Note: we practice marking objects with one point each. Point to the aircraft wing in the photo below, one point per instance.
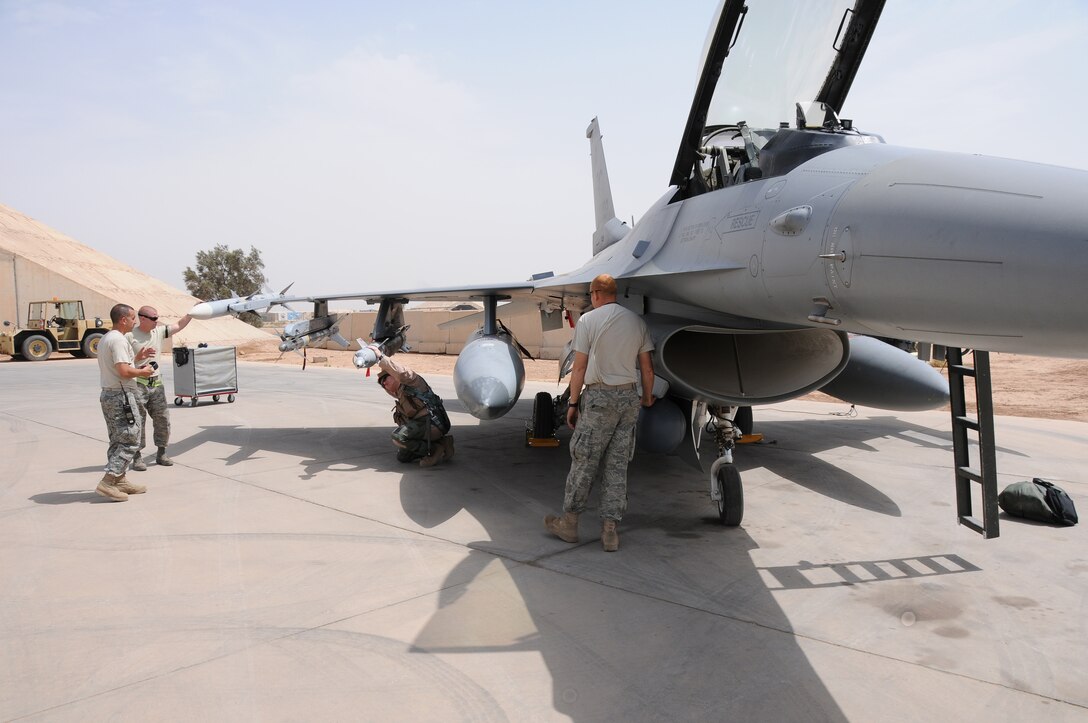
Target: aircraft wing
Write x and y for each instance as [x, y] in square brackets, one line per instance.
[236, 305]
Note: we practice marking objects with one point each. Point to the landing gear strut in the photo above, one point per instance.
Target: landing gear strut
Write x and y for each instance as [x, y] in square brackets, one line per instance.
[725, 486]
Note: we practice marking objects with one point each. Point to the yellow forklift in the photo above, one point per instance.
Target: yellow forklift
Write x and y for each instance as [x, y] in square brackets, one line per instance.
[56, 325]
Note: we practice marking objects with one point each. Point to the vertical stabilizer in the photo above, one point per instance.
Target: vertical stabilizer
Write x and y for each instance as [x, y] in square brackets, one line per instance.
[609, 228]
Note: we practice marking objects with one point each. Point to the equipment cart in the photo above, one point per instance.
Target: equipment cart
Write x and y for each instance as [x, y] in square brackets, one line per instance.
[204, 371]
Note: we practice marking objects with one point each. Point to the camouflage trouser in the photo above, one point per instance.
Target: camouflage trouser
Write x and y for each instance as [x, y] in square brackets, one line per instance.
[124, 437]
[152, 401]
[416, 436]
[602, 445]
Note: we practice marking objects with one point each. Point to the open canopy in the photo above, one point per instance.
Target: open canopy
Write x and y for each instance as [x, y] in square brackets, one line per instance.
[764, 58]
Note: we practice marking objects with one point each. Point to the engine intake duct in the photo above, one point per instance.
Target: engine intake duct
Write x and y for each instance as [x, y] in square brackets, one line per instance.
[741, 367]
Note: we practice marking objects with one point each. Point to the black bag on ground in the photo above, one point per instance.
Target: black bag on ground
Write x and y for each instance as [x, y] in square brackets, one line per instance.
[1059, 502]
[1038, 500]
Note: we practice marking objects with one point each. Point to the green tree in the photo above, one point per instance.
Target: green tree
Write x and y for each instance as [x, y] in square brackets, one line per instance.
[222, 273]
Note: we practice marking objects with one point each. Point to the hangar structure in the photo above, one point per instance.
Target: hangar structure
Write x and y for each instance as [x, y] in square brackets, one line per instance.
[38, 263]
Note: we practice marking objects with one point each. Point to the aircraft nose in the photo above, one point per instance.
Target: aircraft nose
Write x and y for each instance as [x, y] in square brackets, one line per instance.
[943, 246]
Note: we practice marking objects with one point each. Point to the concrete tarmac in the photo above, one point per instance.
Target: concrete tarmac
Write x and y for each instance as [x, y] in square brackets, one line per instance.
[288, 568]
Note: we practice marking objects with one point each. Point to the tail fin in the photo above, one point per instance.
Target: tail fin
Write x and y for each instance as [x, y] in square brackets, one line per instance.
[609, 228]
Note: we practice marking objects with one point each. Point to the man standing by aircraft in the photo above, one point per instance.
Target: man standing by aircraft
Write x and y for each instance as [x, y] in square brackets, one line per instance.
[420, 416]
[611, 352]
[150, 392]
[118, 375]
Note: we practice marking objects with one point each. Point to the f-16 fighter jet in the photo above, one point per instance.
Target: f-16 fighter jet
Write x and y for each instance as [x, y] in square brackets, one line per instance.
[786, 241]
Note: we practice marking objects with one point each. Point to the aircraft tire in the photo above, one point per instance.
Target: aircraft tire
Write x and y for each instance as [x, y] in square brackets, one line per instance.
[744, 420]
[731, 504]
[543, 416]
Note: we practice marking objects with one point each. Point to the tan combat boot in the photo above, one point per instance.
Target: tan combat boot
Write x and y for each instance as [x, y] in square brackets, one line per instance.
[610, 539]
[108, 488]
[565, 527]
[138, 464]
[129, 488]
[447, 441]
[162, 460]
[438, 453]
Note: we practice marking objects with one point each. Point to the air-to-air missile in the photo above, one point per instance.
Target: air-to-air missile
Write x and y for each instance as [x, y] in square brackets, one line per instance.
[238, 304]
[310, 331]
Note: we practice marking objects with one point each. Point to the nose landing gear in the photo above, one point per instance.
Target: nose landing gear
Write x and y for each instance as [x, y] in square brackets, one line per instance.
[729, 425]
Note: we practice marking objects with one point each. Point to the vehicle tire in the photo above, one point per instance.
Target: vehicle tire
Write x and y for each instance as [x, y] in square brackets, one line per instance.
[731, 504]
[89, 347]
[230, 399]
[36, 348]
[177, 401]
[744, 420]
[543, 416]
[215, 398]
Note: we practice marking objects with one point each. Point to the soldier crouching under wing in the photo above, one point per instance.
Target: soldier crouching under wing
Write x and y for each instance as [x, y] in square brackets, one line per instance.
[422, 423]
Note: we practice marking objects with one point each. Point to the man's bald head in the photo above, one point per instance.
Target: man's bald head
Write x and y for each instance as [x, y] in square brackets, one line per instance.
[602, 290]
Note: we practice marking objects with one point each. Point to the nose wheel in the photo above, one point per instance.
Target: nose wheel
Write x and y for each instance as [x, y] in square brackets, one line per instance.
[730, 495]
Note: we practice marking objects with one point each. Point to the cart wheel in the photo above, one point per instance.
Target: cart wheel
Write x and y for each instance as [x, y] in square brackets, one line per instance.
[215, 398]
[193, 402]
[177, 401]
[230, 398]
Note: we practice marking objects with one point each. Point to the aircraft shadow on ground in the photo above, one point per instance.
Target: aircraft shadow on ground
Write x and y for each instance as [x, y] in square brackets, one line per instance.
[607, 659]
[790, 450]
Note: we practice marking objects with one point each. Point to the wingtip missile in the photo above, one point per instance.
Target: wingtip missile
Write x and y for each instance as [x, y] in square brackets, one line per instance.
[237, 304]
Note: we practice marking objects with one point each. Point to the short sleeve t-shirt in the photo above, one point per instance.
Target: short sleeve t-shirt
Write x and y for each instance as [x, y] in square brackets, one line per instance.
[114, 348]
[613, 337]
[140, 340]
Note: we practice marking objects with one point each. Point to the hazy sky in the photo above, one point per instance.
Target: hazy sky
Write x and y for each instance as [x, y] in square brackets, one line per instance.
[378, 145]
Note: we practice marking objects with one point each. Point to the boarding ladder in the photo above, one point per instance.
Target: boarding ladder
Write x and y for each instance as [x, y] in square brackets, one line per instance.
[983, 426]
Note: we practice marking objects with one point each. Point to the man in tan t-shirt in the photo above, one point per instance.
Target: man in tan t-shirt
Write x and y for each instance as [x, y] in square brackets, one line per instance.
[611, 353]
[118, 374]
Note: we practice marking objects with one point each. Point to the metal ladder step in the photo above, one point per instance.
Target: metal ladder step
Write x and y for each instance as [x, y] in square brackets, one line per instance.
[985, 474]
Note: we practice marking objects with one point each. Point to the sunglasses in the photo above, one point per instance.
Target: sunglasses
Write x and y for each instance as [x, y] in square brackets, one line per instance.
[149, 318]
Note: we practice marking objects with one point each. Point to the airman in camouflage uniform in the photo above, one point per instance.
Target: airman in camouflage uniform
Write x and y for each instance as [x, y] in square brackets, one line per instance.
[150, 392]
[611, 351]
[420, 416]
[118, 375]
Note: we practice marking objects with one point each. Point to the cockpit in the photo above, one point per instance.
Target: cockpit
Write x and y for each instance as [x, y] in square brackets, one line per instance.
[753, 115]
[736, 154]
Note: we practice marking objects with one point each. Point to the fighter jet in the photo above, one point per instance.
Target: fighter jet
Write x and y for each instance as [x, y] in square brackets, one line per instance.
[786, 242]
